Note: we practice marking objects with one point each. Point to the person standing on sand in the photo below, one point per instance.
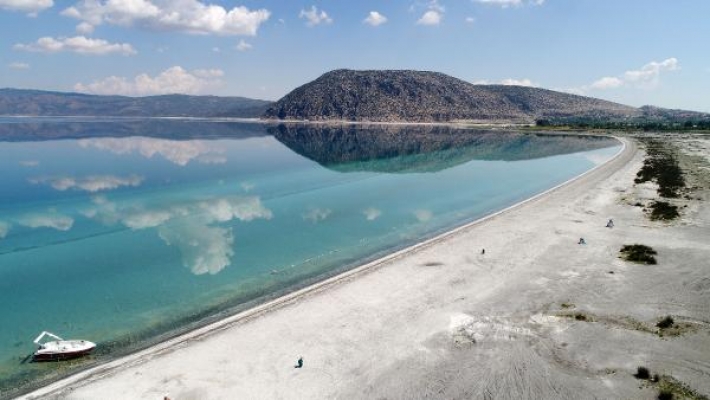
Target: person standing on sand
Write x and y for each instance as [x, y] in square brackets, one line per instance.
[610, 224]
[299, 363]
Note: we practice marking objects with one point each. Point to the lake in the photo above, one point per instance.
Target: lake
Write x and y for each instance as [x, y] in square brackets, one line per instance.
[127, 231]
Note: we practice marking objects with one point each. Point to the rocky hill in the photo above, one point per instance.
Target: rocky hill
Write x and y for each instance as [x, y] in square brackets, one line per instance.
[43, 103]
[419, 96]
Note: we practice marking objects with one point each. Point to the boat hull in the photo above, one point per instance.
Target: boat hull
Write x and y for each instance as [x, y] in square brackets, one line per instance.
[61, 355]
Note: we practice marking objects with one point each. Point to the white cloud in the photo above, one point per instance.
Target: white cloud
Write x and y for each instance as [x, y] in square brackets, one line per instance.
[32, 7]
[511, 3]
[314, 17]
[243, 46]
[649, 73]
[173, 80]
[431, 18]
[18, 65]
[423, 215]
[4, 229]
[501, 3]
[93, 183]
[77, 44]
[470, 20]
[180, 152]
[375, 19]
[316, 215]
[85, 28]
[508, 82]
[646, 77]
[372, 213]
[518, 82]
[47, 220]
[607, 82]
[189, 16]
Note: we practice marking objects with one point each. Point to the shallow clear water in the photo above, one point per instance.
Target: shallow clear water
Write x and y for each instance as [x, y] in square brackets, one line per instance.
[123, 239]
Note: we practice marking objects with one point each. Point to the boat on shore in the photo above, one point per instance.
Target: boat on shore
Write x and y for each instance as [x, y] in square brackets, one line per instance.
[60, 349]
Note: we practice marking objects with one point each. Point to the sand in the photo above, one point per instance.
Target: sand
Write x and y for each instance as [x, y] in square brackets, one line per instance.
[445, 321]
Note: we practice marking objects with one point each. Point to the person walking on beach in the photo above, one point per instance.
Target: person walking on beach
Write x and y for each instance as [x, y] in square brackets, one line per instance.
[581, 241]
[299, 363]
[483, 251]
[610, 224]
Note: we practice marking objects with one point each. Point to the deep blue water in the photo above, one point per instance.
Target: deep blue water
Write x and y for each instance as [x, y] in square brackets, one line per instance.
[123, 239]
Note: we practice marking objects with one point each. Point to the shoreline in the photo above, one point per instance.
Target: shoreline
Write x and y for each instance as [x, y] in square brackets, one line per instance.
[267, 121]
[621, 158]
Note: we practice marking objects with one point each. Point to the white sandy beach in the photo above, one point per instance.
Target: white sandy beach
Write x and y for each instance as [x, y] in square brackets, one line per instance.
[445, 321]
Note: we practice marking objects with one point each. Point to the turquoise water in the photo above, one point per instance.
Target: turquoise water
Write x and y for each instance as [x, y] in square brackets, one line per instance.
[123, 240]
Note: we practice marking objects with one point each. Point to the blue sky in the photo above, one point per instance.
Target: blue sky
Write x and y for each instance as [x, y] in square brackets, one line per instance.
[631, 51]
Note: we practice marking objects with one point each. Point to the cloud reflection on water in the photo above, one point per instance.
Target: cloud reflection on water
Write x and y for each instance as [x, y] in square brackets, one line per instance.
[92, 183]
[52, 220]
[29, 163]
[177, 152]
[423, 215]
[372, 213]
[189, 226]
[4, 229]
[316, 215]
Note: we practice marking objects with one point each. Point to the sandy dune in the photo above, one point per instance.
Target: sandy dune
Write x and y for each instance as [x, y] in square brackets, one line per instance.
[445, 321]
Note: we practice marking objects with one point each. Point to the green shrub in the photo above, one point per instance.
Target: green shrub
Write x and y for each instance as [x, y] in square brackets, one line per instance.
[665, 394]
[661, 210]
[642, 373]
[662, 167]
[638, 253]
[666, 322]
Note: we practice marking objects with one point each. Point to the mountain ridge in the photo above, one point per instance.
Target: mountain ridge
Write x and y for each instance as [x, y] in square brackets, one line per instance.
[32, 102]
[425, 96]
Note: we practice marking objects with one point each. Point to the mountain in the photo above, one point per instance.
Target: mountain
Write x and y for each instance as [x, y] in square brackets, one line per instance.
[422, 148]
[421, 96]
[43, 103]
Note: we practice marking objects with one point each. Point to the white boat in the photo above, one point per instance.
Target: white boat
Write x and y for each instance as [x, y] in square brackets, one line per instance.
[60, 349]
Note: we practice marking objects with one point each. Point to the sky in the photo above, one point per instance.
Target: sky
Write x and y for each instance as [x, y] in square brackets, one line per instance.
[634, 52]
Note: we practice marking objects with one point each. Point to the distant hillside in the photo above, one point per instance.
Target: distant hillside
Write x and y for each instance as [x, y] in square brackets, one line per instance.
[418, 96]
[42, 103]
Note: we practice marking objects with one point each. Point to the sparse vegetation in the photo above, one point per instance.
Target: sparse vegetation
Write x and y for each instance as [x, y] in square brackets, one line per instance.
[672, 388]
[668, 386]
[664, 211]
[642, 373]
[665, 323]
[649, 119]
[567, 305]
[662, 167]
[667, 326]
[578, 316]
[639, 253]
